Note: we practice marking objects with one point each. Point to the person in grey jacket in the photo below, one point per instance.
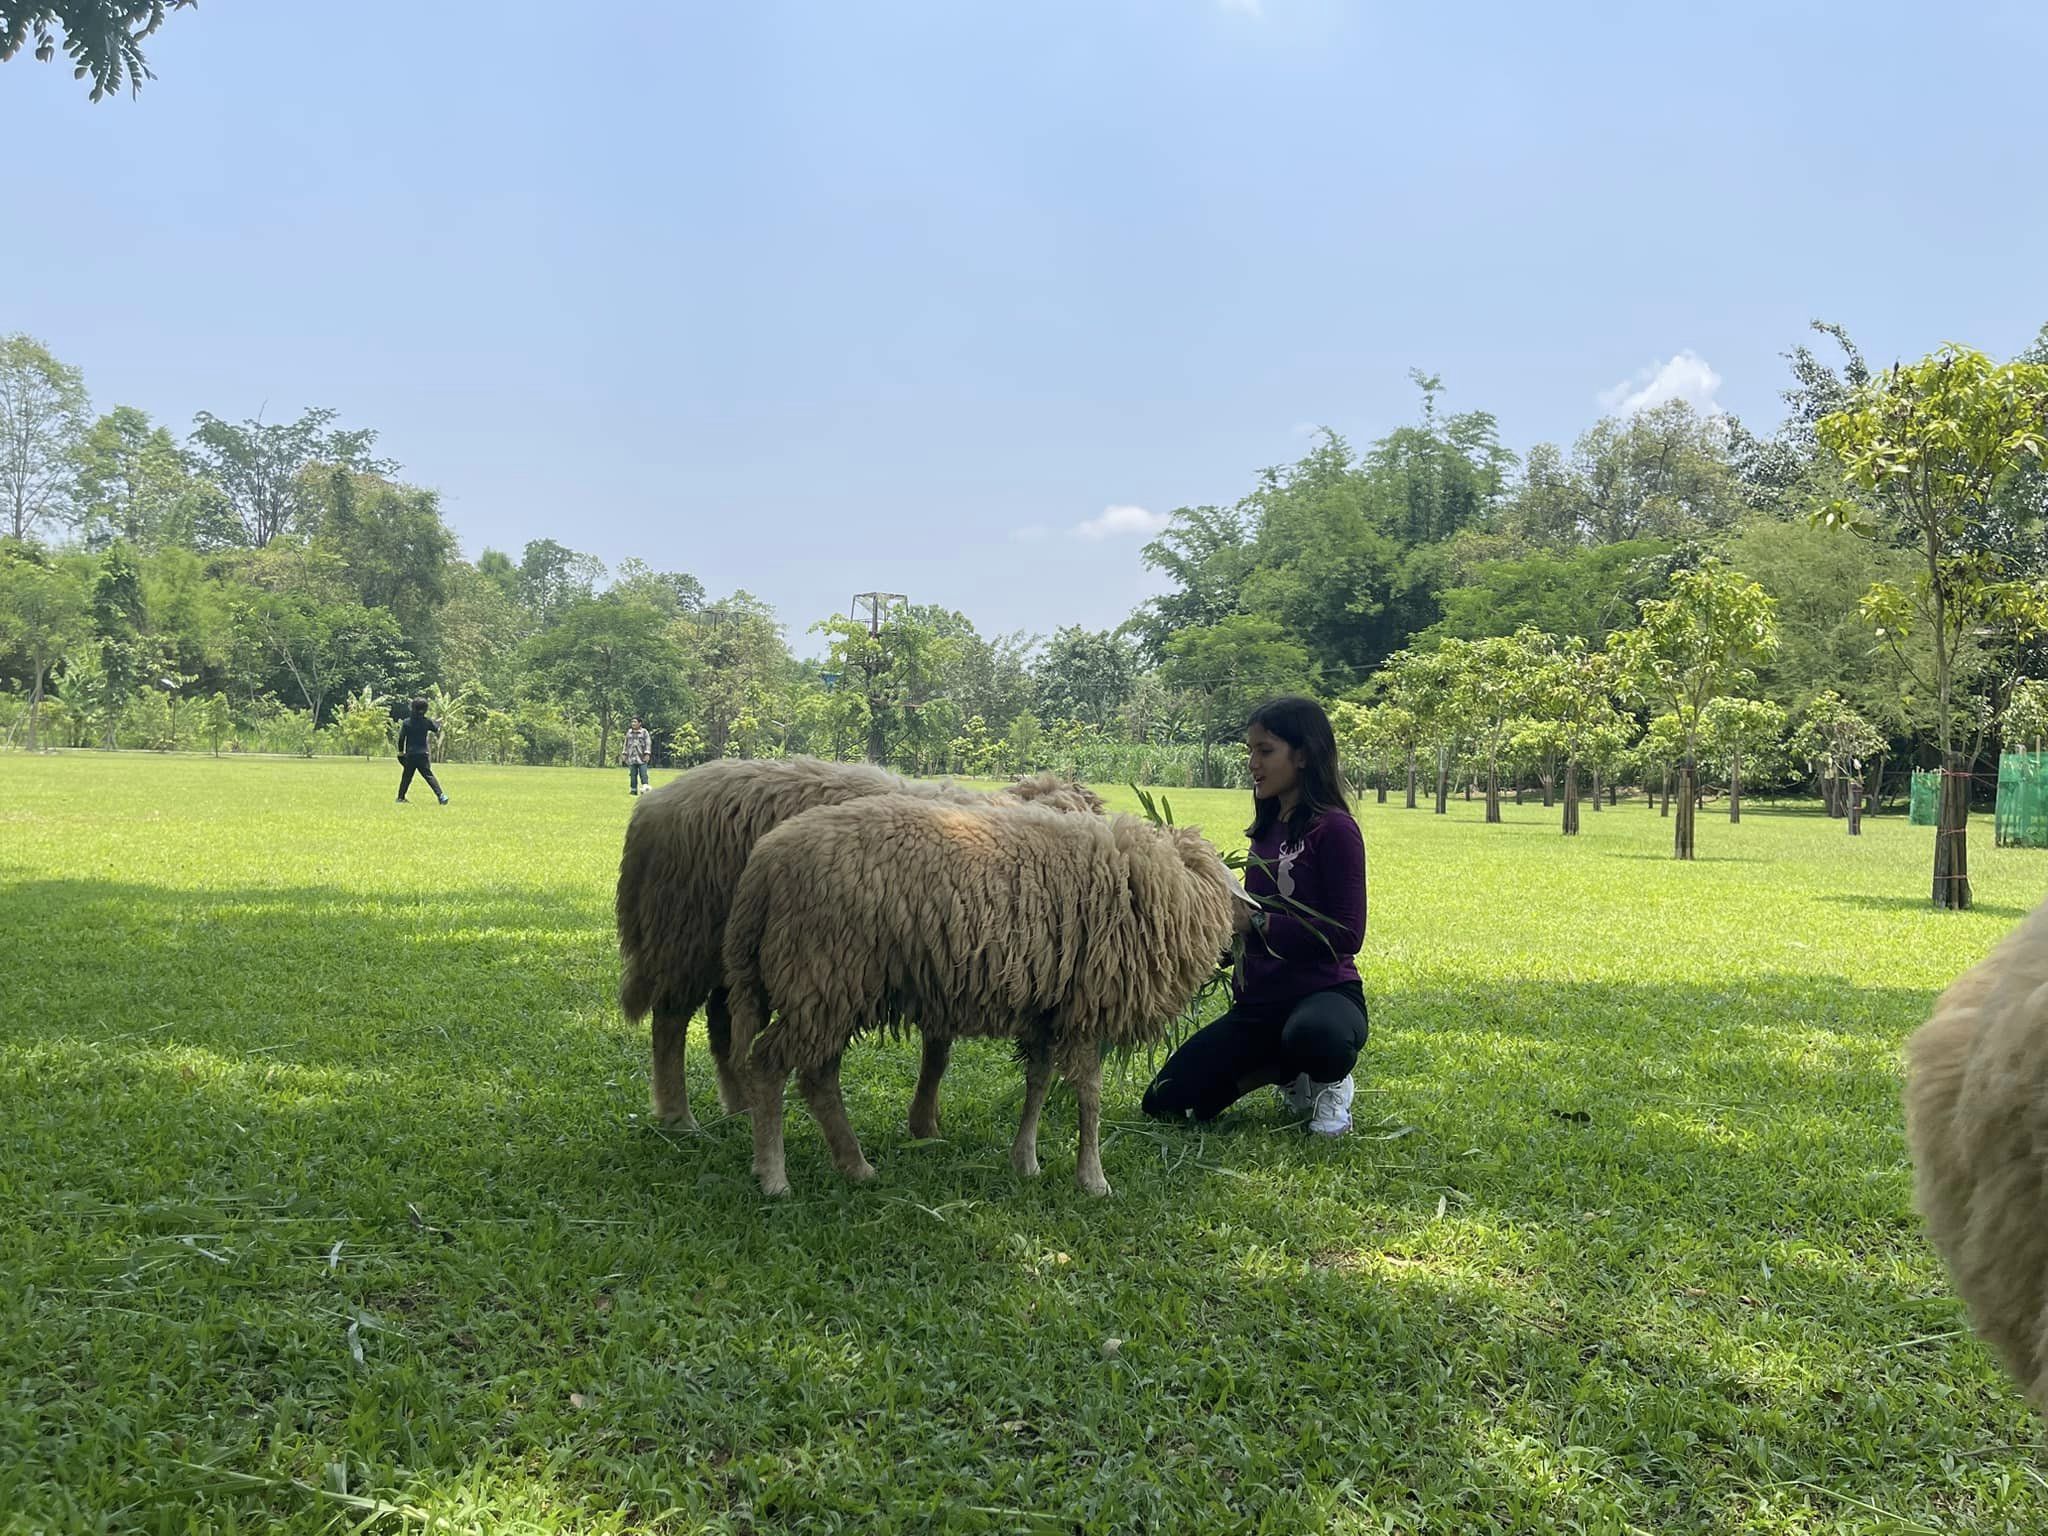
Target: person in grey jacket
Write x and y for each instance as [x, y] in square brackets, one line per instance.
[638, 753]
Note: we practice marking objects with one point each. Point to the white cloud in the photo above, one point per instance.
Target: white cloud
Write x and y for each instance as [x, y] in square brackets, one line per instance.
[1688, 377]
[1116, 522]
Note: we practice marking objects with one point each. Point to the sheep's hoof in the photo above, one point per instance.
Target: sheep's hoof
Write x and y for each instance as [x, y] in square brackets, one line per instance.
[684, 1122]
[924, 1130]
[861, 1172]
[775, 1189]
[1024, 1164]
[1097, 1186]
[731, 1100]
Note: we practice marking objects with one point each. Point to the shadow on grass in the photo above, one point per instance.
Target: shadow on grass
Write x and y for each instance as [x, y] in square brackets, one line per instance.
[1914, 904]
[265, 1131]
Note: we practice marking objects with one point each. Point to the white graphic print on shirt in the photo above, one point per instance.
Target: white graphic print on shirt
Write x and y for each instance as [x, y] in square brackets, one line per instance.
[1283, 877]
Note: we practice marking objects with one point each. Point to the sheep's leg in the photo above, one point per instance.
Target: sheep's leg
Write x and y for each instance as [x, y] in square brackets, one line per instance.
[1084, 1072]
[765, 1093]
[820, 1087]
[732, 1093]
[924, 1104]
[671, 1029]
[1037, 1078]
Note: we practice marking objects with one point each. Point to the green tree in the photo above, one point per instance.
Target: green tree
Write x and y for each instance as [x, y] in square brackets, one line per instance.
[739, 672]
[613, 658]
[1206, 553]
[482, 630]
[1234, 667]
[364, 723]
[1926, 449]
[1664, 473]
[552, 576]
[129, 658]
[393, 545]
[1374, 741]
[260, 467]
[1570, 706]
[1834, 741]
[1818, 580]
[133, 486]
[217, 719]
[890, 678]
[1691, 647]
[1084, 675]
[1564, 592]
[42, 424]
[1740, 732]
[43, 613]
[1427, 684]
[298, 629]
[673, 592]
[103, 38]
[1496, 686]
[1441, 476]
[2024, 724]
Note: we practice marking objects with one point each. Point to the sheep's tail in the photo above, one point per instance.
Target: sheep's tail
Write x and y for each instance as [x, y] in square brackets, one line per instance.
[746, 998]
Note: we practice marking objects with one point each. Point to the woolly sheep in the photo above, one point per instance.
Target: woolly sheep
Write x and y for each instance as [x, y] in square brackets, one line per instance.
[1976, 1101]
[1066, 933]
[685, 847]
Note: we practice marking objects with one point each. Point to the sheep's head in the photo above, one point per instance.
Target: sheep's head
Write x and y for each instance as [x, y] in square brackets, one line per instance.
[1056, 794]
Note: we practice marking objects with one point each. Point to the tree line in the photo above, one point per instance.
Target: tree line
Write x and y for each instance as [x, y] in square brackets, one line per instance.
[278, 585]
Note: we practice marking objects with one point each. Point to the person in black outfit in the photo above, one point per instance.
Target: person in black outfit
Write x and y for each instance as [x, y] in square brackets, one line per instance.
[412, 750]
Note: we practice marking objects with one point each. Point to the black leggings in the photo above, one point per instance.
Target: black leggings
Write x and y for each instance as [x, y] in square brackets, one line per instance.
[421, 764]
[1321, 1035]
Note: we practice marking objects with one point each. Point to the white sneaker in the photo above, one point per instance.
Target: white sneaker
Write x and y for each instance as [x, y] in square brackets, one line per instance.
[1331, 1115]
[1297, 1097]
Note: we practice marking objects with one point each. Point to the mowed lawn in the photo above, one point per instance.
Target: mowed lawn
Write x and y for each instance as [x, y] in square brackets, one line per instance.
[328, 1199]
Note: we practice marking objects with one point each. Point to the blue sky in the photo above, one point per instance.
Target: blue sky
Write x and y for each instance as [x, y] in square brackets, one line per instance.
[817, 298]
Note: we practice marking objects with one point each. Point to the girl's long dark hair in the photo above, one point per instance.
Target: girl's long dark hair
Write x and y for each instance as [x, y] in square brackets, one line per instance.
[1302, 724]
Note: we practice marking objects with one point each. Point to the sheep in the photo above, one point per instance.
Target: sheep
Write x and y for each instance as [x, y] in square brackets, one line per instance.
[1065, 933]
[685, 847]
[1976, 1101]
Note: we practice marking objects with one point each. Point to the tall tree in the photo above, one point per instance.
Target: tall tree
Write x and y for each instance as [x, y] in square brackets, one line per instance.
[738, 667]
[888, 682]
[1441, 476]
[42, 614]
[1691, 647]
[103, 38]
[1496, 689]
[1585, 592]
[552, 576]
[614, 658]
[260, 467]
[392, 542]
[1663, 473]
[42, 423]
[127, 657]
[1739, 733]
[1206, 552]
[133, 486]
[1234, 667]
[1084, 675]
[1428, 685]
[1571, 702]
[1926, 450]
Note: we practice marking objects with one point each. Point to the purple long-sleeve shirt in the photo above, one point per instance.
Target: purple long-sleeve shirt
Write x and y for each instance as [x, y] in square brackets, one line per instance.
[1299, 954]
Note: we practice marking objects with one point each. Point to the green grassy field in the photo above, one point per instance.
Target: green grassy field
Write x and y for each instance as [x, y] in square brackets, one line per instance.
[330, 1200]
